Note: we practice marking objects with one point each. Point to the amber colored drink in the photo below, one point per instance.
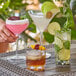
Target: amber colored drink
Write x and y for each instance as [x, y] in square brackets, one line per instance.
[35, 60]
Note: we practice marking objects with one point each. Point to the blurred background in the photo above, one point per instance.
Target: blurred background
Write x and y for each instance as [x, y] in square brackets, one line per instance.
[19, 8]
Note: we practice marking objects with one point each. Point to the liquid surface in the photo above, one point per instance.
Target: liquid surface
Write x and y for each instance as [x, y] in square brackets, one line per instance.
[17, 26]
[40, 20]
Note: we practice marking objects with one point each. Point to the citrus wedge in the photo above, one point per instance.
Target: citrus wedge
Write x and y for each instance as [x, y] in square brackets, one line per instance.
[64, 54]
[53, 27]
[58, 42]
[47, 6]
[56, 10]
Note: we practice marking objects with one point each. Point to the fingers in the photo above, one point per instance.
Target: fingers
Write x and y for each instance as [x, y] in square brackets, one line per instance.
[8, 33]
[10, 39]
[4, 36]
[7, 36]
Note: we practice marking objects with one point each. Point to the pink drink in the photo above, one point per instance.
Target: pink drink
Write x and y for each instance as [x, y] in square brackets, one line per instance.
[17, 26]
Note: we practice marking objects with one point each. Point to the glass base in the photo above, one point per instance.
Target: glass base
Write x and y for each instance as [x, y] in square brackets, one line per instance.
[16, 59]
[63, 62]
[48, 55]
[36, 68]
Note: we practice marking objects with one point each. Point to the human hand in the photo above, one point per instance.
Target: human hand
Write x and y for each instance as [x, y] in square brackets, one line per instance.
[5, 34]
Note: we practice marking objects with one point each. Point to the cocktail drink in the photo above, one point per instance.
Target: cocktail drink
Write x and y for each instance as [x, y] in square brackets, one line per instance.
[16, 26]
[35, 60]
[42, 17]
[62, 46]
[41, 21]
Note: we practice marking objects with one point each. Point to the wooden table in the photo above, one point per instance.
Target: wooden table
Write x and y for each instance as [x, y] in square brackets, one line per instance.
[51, 68]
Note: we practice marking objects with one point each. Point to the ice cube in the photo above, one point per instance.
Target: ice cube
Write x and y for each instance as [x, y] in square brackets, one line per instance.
[34, 55]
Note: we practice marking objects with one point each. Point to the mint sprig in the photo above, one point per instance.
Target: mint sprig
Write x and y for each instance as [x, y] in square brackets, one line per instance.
[66, 44]
[48, 37]
[57, 48]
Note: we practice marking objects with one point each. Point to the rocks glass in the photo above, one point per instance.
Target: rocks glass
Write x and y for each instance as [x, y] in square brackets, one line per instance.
[35, 60]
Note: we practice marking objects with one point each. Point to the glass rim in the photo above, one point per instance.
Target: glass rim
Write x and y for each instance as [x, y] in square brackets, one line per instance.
[33, 53]
[17, 21]
[35, 13]
[62, 31]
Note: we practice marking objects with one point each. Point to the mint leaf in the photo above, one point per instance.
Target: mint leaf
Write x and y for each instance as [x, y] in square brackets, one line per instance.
[32, 28]
[28, 17]
[57, 48]
[66, 44]
[69, 16]
[48, 37]
[60, 20]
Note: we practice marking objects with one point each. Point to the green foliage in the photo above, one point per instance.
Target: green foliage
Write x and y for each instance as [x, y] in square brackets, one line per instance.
[17, 4]
[48, 37]
[69, 16]
[28, 16]
[32, 28]
[4, 10]
[10, 4]
[73, 6]
[66, 44]
[68, 1]
[73, 34]
[65, 21]
[57, 48]
[67, 13]
[5, 6]
[26, 36]
[60, 20]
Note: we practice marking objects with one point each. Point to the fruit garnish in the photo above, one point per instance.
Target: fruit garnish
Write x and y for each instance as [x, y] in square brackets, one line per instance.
[48, 6]
[14, 18]
[54, 11]
[42, 48]
[48, 15]
[64, 54]
[53, 27]
[37, 46]
[32, 46]
[59, 3]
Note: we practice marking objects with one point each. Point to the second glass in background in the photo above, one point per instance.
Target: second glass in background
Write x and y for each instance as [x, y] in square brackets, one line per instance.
[16, 27]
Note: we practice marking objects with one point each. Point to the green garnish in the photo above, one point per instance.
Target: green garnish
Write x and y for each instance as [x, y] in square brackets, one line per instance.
[57, 48]
[48, 37]
[66, 44]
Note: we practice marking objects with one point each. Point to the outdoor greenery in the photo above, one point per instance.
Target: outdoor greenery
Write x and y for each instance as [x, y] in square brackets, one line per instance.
[14, 5]
[65, 21]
